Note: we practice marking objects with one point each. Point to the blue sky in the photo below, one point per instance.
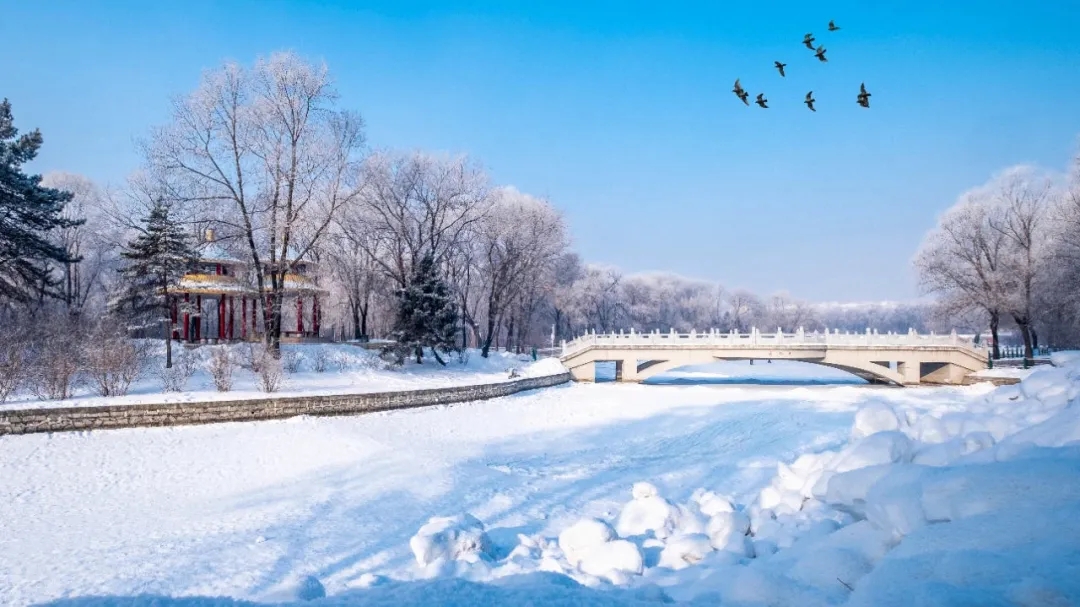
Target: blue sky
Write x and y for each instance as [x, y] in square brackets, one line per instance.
[619, 112]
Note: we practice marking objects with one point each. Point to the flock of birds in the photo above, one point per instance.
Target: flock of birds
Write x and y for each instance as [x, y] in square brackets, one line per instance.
[863, 98]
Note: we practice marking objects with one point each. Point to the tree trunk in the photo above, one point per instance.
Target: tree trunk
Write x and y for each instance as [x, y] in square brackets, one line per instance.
[363, 319]
[510, 335]
[355, 309]
[168, 344]
[994, 321]
[491, 331]
[438, 358]
[419, 355]
[1024, 324]
[1034, 339]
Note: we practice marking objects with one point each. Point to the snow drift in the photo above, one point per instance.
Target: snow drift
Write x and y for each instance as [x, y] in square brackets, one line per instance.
[931, 505]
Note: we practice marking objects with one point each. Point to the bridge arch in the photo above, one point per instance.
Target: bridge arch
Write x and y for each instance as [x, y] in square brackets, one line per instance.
[872, 372]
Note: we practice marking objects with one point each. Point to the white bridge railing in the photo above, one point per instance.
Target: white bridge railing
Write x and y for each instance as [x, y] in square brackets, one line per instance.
[719, 339]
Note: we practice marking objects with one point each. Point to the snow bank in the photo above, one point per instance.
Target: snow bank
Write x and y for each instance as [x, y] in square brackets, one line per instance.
[544, 368]
[1066, 358]
[934, 504]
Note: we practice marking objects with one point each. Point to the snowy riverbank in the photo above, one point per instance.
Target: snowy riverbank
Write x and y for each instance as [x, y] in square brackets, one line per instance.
[850, 495]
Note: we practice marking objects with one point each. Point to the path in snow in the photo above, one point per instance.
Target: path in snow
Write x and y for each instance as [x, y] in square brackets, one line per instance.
[245, 509]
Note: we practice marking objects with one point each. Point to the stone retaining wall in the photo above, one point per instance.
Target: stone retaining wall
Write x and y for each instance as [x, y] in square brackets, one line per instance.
[26, 421]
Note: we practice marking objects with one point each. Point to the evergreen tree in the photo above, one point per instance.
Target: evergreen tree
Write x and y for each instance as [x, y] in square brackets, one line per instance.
[28, 212]
[156, 260]
[426, 315]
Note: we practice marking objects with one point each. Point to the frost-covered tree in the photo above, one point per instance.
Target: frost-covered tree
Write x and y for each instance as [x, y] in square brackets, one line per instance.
[418, 205]
[30, 214]
[154, 262]
[963, 260]
[355, 270]
[746, 310]
[426, 315]
[85, 280]
[266, 155]
[519, 240]
[1057, 294]
[1022, 199]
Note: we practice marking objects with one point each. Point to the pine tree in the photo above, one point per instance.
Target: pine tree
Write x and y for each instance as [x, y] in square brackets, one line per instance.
[426, 316]
[157, 259]
[28, 213]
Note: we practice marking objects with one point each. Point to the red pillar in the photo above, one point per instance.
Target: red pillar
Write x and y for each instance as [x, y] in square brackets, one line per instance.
[187, 317]
[243, 317]
[315, 314]
[299, 315]
[173, 315]
[221, 317]
[198, 318]
[232, 316]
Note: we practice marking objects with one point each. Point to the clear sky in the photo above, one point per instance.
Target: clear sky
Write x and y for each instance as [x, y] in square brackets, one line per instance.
[619, 112]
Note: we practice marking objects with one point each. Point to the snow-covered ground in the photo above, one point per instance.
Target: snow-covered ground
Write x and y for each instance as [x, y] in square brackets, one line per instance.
[348, 369]
[733, 495]
[1004, 372]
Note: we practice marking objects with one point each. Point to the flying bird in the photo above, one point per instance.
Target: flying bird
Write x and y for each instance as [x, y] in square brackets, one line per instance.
[810, 101]
[820, 54]
[808, 40]
[780, 66]
[740, 93]
[864, 97]
[832, 26]
[761, 100]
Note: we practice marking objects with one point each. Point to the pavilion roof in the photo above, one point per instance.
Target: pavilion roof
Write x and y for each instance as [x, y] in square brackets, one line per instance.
[214, 252]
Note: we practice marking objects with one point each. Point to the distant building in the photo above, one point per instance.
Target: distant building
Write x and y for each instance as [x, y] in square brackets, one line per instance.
[216, 302]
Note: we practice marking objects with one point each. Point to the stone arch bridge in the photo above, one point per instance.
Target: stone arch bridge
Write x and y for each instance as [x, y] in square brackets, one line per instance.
[892, 358]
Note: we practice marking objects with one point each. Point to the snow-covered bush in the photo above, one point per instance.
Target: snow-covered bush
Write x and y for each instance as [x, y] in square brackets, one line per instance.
[172, 378]
[220, 366]
[320, 359]
[290, 361]
[250, 355]
[13, 351]
[270, 372]
[55, 360]
[112, 360]
[188, 361]
[451, 538]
